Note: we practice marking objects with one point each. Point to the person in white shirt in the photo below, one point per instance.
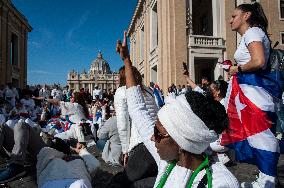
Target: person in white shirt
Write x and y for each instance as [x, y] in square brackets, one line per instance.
[44, 92]
[18, 110]
[179, 136]
[97, 93]
[54, 169]
[74, 111]
[183, 89]
[252, 56]
[112, 149]
[9, 94]
[132, 146]
[56, 93]
[28, 103]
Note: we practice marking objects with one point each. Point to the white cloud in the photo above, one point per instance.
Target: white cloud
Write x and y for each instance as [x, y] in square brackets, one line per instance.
[77, 25]
[39, 72]
[35, 44]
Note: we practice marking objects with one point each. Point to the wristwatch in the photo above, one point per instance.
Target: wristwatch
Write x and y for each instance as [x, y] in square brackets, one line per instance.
[240, 69]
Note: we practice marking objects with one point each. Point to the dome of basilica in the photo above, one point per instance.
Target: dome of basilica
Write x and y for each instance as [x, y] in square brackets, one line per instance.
[100, 66]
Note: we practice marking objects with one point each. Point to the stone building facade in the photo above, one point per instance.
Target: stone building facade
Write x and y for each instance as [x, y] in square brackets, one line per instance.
[99, 75]
[165, 33]
[14, 28]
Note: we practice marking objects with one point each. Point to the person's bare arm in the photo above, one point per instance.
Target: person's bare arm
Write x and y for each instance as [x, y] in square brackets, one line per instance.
[52, 101]
[257, 60]
[188, 80]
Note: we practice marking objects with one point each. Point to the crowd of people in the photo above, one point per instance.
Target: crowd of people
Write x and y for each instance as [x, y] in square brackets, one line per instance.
[160, 139]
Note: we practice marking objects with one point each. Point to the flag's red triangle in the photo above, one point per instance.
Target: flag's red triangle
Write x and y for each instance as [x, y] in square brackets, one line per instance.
[253, 119]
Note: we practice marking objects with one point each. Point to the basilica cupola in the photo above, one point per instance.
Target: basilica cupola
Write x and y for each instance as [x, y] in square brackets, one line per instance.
[99, 66]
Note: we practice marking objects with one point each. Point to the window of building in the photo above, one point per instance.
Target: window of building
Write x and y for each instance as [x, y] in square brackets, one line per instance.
[14, 50]
[281, 9]
[154, 28]
[142, 44]
[282, 38]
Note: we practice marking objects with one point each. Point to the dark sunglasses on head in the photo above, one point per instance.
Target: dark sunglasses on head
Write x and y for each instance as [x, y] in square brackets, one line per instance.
[158, 135]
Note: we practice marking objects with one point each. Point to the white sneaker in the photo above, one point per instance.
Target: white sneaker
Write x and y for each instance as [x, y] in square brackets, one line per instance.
[262, 181]
[30, 122]
[253, 184]
[279, 135]
[223, 158]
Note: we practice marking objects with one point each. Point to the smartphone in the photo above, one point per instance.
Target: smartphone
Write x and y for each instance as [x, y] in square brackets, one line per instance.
[184, 66]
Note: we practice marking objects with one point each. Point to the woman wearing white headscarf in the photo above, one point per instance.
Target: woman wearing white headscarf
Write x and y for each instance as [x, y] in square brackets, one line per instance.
[179, 136]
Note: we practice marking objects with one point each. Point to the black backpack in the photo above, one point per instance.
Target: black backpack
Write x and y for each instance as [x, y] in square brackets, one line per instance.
[276, 64]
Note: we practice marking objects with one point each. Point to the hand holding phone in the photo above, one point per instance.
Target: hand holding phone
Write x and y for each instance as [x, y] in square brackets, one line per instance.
[185, 69]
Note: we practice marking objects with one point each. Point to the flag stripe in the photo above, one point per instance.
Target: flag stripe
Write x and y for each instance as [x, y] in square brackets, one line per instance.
[258, 96]
[265, 160]
[264, 140]
[269, 81]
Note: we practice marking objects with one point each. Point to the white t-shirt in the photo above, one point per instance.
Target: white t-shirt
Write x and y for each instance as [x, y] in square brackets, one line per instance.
[253, 34]
[97, 92]
[29, 104]
[44, 93]
[73, 110]
[56, 94]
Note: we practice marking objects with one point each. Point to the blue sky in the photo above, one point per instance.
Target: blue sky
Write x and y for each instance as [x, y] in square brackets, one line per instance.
[67, 34]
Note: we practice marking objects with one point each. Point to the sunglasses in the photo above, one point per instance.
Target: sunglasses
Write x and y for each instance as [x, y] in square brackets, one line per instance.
[158, 135]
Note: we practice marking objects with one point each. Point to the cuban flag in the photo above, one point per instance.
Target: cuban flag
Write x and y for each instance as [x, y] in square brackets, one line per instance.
[251, 111]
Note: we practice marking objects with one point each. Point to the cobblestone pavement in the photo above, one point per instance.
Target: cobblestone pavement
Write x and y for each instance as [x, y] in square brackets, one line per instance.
[243, 172]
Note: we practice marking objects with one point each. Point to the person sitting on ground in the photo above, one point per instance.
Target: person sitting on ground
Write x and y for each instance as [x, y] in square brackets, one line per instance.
[179, 136]
[23, 138]
[74, 112]
[19, 141]
[28, 103]
[56, 170]
[112, 149]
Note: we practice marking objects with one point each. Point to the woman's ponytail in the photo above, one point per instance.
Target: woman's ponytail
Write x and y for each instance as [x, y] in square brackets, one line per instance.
[261, 18]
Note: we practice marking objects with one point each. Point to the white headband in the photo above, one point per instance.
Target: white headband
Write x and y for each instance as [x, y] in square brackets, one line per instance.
[184, 126]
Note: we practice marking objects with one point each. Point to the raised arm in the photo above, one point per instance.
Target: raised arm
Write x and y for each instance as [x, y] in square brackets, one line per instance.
[191, 83]
[124, 54]
[139, 114]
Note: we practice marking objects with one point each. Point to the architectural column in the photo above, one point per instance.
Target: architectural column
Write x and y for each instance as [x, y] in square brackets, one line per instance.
[190, 16]
[91, 88]
[191, 66]
[77, 86]
[25, 58]
[216, 18]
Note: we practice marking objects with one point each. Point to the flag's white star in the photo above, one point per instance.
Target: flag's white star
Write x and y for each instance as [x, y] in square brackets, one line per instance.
[239, 106]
